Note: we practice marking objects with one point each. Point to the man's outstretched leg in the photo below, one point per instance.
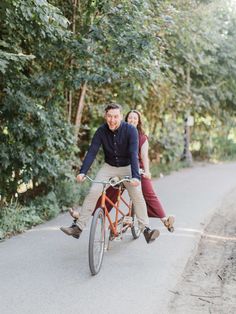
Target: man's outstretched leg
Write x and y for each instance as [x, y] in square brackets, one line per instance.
[88, 206]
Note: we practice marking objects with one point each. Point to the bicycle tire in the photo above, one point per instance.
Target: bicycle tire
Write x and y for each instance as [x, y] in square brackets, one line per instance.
[134, 229]
[97, 241]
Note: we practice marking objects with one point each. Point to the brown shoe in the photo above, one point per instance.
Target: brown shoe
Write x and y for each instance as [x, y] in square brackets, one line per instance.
[73, 231]
[150, 235]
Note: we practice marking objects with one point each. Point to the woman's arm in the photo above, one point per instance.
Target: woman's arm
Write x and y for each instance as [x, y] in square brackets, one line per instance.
[145, 159]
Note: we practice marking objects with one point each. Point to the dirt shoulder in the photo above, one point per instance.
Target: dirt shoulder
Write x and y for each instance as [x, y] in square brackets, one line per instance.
[208, 284]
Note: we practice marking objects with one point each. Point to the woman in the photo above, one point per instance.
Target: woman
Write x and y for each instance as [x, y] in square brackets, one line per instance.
[154, 206]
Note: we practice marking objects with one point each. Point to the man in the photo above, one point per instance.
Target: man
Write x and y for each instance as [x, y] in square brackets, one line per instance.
[120, 145]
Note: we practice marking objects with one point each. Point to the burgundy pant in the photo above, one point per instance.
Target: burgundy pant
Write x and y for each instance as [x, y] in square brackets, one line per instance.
[154, 206]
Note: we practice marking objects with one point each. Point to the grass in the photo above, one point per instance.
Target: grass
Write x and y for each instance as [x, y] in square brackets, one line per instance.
[158, 170]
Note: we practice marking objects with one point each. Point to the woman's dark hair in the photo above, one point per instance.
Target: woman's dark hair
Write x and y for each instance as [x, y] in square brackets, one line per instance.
[140, 124]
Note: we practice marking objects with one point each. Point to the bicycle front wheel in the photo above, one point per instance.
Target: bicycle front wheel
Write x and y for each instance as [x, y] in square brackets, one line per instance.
[97, 241]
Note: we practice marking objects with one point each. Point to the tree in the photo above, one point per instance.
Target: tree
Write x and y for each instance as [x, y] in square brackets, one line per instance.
[34, 137]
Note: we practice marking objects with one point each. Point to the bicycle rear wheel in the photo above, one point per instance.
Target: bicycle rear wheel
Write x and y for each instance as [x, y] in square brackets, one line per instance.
[97, 241]
[135, 230]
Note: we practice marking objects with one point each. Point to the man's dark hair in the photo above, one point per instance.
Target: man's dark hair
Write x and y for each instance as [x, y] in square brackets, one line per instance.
[113, 106]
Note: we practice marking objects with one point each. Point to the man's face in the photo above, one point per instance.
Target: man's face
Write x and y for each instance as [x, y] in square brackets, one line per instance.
[113, 118]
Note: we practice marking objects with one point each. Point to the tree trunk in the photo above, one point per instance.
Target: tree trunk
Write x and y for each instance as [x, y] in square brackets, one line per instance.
[75, 4]
[69, 99]
[80, 108]
[186, 155]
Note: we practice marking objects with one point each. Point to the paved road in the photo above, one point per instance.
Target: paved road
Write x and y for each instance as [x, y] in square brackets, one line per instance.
[44, 271]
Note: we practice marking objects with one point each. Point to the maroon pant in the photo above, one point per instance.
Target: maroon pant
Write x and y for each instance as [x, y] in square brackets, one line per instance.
[154, 206]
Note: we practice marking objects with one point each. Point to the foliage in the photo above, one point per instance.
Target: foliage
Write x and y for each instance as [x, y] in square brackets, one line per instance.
[213, 138]
[15, 218]
[71, 194]
[35, 139]
[46, 206]
[168, 147]
[224, 148]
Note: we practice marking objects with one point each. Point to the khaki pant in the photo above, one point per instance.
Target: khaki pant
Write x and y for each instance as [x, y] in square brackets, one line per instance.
[135, 194]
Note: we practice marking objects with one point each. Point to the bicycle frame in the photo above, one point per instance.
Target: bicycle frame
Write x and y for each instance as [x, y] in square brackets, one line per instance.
[116, 205]
[114, 224]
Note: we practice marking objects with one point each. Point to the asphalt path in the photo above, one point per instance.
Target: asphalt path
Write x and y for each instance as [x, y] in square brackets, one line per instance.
[45, 271]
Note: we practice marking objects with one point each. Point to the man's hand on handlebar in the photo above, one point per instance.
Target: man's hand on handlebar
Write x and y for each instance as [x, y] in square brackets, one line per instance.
[80, 177]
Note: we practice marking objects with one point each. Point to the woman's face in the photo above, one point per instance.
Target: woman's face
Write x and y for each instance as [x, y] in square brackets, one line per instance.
[133, 119]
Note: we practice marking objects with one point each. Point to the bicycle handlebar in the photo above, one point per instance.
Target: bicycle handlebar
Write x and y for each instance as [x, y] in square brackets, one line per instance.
[112, 181]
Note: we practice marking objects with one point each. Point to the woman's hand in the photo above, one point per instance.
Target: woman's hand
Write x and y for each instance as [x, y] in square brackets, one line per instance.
[147, 175]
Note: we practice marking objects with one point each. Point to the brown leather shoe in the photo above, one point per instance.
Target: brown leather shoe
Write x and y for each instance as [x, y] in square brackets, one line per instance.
[150, 235]
[73, 231]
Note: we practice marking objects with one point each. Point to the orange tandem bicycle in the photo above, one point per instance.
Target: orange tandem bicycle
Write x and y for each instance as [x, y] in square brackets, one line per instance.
[123, 220]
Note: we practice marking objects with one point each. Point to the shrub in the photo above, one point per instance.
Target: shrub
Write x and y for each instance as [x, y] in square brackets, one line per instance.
[224, 148]
[46, 206]
[15, 218]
